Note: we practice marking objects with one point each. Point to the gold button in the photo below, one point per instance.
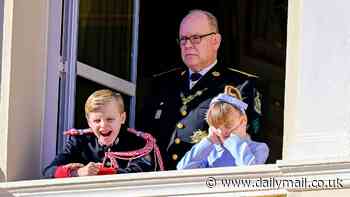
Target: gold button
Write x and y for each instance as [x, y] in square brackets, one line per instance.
[183, 113]
[174, 156]
[180, 125]
[177, 141]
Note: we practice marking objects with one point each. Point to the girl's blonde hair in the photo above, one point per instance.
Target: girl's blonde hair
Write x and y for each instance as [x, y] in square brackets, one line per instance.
[219, 112]
[100, 98]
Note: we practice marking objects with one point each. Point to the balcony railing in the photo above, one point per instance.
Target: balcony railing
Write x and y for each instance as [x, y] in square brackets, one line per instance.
[260, 180]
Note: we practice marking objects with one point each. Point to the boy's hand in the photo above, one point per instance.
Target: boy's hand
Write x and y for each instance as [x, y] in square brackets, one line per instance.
[74, 166]
[89, 170]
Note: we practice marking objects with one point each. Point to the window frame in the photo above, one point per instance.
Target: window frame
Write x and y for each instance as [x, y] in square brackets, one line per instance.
[72, 68]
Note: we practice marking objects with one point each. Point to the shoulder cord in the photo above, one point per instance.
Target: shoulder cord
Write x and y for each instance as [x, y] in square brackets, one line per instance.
[128, 155]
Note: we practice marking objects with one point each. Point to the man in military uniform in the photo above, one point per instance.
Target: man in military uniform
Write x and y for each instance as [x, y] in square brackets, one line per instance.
[182, 95]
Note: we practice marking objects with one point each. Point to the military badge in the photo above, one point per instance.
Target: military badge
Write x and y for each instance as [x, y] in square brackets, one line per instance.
[183, 110]
[198, 136]
[188, 99]
[257, 103]
[215, 74]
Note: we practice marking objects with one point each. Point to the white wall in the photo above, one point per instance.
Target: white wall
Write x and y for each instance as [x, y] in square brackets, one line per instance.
[23, 87]
[1, 32]
[317, 112]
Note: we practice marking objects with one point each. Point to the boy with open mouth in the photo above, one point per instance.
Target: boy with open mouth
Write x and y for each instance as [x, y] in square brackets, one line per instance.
[85, 151]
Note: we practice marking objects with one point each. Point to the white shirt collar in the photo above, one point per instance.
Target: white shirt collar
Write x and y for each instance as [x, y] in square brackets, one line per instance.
[205, 70]
[202, 72]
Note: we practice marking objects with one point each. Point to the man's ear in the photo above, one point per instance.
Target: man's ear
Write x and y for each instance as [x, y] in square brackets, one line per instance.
[123, 117]
[217, 40]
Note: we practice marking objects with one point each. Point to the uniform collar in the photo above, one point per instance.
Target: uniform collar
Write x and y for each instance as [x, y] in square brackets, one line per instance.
[105, 148]
[209, 80]
[205, 70]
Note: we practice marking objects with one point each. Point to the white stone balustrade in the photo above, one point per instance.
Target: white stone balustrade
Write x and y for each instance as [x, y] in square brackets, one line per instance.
[195, 182]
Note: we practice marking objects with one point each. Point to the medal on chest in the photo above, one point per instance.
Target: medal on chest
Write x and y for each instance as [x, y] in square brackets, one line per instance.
[186, 100]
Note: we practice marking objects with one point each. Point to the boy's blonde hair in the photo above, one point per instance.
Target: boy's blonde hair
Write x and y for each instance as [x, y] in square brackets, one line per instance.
[219, 112]
[100, 98]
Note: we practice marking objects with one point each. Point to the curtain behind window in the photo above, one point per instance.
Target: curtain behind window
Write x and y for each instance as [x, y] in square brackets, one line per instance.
[105, 35]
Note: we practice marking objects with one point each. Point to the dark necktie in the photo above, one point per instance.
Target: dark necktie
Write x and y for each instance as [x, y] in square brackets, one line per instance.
[195, 76]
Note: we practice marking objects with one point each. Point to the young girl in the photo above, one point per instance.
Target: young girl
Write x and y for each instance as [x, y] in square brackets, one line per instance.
[227, 143]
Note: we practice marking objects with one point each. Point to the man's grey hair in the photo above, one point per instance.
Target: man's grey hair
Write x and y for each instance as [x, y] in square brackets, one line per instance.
[213, 22]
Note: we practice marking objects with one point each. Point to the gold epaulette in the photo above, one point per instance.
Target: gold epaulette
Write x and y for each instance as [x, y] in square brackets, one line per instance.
[166, 72]
[242, 72]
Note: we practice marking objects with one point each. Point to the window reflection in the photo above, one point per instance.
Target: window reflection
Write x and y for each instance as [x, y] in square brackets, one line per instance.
[105, 35]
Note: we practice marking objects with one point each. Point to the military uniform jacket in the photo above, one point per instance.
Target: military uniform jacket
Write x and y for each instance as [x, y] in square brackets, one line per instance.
[176, 111]
[85, 148]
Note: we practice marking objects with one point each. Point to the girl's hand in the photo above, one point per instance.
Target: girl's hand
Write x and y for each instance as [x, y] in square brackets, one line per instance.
[214, 135]
[241, 131]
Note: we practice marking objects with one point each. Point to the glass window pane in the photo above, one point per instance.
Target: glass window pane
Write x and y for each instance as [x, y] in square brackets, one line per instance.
[105, 35]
